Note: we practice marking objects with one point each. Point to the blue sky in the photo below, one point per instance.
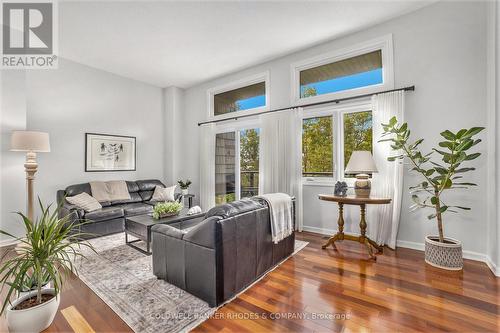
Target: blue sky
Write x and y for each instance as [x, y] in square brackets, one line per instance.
[324, 87]
[347, 82]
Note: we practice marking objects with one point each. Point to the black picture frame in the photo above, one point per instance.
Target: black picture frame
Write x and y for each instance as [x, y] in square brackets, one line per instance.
[90, 135]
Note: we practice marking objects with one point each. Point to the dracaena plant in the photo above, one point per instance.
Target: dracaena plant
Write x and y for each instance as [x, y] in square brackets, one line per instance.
[442, 174]
[44, 254]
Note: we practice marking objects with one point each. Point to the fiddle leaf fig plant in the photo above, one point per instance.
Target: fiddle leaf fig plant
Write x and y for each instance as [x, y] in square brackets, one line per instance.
[441, 169]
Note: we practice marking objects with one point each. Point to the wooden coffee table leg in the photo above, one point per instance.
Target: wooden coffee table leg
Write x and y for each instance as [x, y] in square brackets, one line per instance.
[363, 238]
[340, 234]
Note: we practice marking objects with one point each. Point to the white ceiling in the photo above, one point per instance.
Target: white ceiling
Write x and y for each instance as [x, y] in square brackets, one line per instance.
[185, 43]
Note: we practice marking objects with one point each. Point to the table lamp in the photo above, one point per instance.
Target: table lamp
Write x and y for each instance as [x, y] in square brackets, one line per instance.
[361, 164]
[31, 143]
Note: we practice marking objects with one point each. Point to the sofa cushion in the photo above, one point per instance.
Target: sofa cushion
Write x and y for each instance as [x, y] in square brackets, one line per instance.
[132, 186]
[234, 208]
[106, 213]
[136, 208]
[149, 184]
[134, 197]
[73, 190]
[146, 195]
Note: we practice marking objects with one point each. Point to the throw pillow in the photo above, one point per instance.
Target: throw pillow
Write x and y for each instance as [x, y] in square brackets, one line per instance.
[118, 190]
[84, 201]
[164, 193]
[100, 191]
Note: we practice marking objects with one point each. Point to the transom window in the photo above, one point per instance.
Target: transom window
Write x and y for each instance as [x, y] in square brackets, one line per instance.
[249, 97]
[355, 72]
[365, 68]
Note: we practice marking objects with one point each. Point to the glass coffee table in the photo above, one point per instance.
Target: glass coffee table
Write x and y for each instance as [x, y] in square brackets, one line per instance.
[140, 226]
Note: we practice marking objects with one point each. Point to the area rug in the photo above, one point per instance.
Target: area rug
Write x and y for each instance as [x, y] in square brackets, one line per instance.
[123, 278]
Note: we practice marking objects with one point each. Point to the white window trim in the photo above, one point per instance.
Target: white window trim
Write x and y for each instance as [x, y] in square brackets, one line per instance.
[337, 112]
[383, 43]
[247, 81]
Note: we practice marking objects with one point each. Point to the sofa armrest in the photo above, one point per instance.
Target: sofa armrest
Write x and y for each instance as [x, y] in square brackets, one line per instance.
[166, 230]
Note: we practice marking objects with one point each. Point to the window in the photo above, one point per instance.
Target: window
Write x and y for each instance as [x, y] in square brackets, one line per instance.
[236, 165]
[225, 157]
[360, 71]
[249, 162]
[358, 134]
[249, 97]
[329, 136]
[317, 147]
[365, 68]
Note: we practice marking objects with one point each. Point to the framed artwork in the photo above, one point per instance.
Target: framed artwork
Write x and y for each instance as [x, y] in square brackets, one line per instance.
[104, 152]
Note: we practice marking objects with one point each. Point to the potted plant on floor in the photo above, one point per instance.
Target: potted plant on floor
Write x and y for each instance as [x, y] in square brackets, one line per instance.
[44, 255]
[184, 185]
[437, 178]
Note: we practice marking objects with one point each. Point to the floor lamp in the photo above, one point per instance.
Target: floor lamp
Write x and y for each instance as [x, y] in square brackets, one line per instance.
[31, 143]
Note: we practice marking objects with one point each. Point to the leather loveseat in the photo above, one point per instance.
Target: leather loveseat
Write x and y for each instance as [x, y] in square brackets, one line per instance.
[111, 218]
[222, 255]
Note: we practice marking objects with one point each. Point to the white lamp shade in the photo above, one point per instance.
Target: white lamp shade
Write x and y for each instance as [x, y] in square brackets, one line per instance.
[30, 141]
[361, 161]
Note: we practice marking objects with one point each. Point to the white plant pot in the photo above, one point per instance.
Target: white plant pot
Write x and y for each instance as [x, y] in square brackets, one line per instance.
[35, 319]
[446, 255]
[185, 192]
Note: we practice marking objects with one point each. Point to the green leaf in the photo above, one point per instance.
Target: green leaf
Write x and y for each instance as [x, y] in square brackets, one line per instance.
[443, 209]
[448, 135]
[464, 170]
[434, 200]
[430, 217]
[392, 121]
[473, 131]
[472, 156]
[461, 133]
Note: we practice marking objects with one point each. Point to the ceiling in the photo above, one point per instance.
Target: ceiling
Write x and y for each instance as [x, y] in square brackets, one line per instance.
[185, 43]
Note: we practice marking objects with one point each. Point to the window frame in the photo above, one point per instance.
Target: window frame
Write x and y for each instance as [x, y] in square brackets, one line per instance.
[247, 81]
[237, 127]
[337, 112]
[383, 44]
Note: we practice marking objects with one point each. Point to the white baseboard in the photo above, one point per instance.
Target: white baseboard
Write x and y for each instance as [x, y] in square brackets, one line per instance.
[466, 254]
[416, 246]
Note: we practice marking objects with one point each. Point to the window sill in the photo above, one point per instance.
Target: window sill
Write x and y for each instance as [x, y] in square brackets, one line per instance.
[318, 182]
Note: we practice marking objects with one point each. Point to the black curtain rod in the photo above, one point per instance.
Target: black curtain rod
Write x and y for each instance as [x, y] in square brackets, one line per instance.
[336, 101]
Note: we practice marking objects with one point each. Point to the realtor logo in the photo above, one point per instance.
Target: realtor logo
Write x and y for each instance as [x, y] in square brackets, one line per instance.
[28, 35]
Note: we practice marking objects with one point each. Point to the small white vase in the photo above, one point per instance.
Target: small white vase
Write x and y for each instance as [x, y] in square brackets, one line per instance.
[185, 191]
[35, 319]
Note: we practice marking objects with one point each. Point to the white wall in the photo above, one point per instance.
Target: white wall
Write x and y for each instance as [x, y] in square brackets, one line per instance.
[75, 99]
[173, 99]
[441, 49]
[12, 176]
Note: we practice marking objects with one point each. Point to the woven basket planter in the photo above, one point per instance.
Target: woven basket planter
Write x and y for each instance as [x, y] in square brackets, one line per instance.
[447, 255]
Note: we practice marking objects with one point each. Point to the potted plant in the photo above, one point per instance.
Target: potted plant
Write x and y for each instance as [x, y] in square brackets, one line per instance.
[44, 255]
[184, 185]
[166, 209]
[438, 177]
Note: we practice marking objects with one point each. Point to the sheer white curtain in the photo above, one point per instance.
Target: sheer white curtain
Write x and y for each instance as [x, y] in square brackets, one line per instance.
[280, 156]
[207, 166]
[383, 220]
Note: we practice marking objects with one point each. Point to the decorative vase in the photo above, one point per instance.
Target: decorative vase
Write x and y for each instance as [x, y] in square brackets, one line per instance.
[447, 255]
[185, 191]
[34, 319]
[362, 185]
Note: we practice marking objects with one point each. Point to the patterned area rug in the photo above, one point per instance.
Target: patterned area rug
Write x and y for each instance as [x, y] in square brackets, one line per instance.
[122, 277]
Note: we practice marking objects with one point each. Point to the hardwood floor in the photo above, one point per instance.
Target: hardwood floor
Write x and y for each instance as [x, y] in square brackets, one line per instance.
[324, 290]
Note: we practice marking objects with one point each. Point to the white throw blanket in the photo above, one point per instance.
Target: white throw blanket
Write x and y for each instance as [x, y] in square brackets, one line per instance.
[281, 213]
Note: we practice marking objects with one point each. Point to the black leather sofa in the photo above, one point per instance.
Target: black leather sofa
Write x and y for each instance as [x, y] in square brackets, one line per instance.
[222, 255]
[111, 218]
